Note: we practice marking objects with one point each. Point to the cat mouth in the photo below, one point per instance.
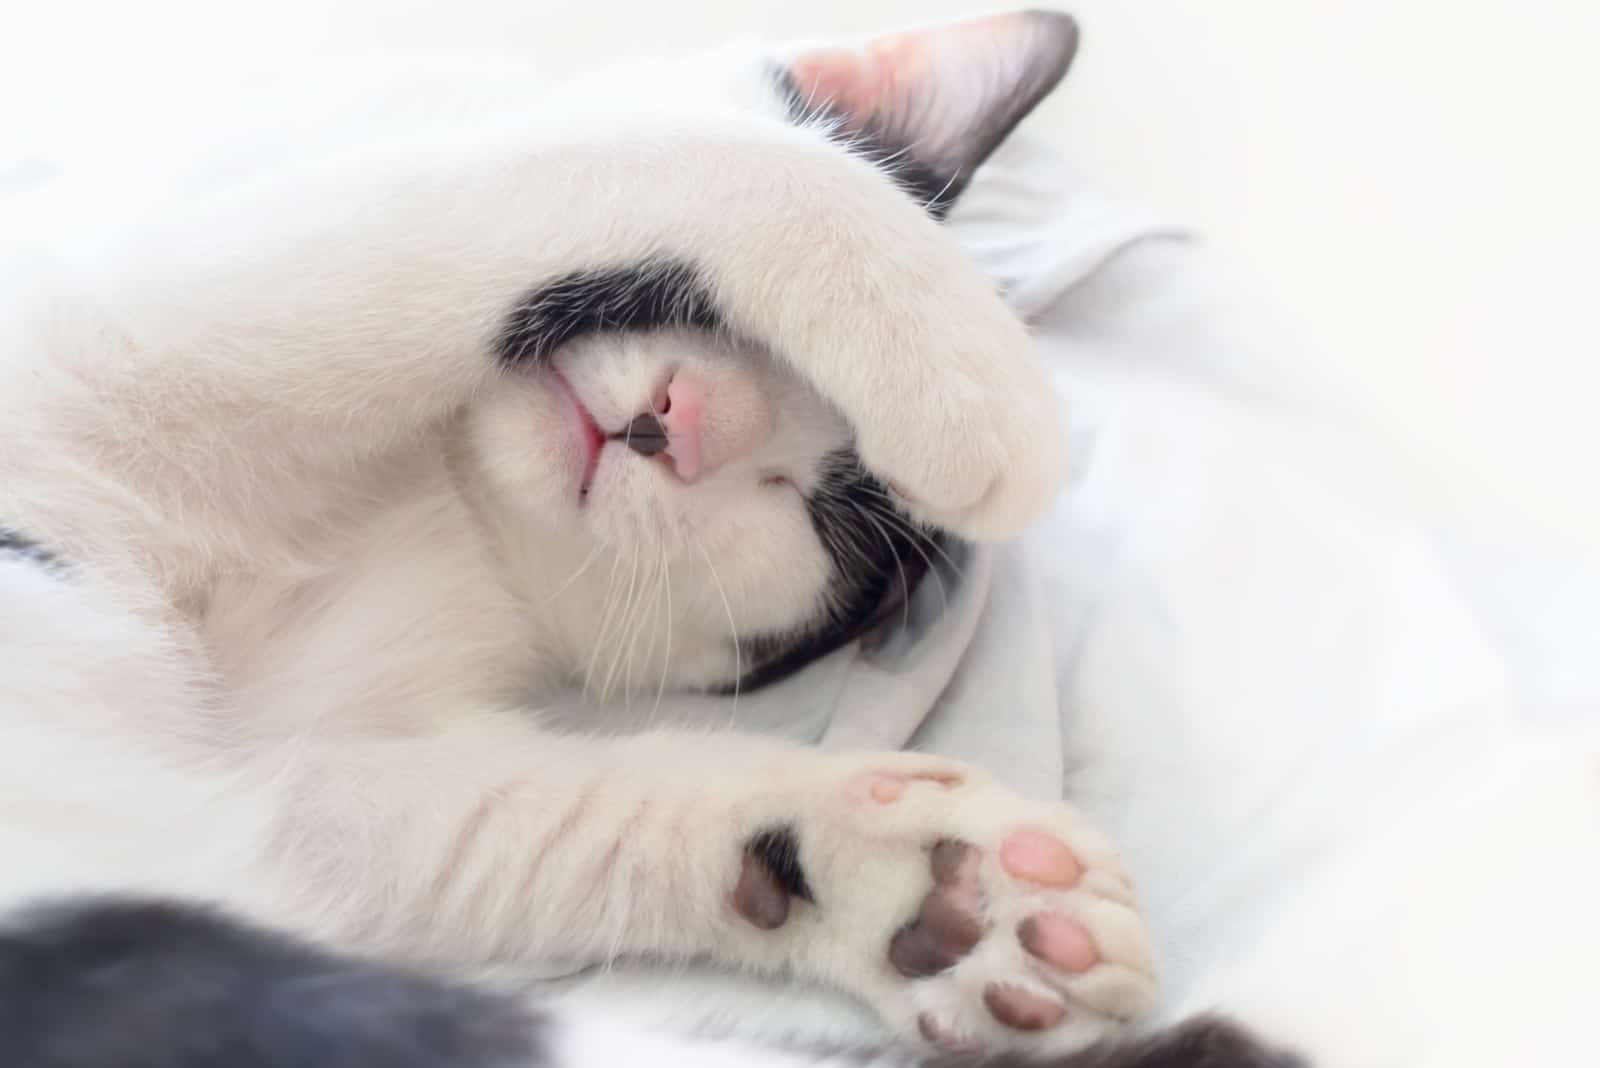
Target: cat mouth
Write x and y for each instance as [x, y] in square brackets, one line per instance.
[589, 436]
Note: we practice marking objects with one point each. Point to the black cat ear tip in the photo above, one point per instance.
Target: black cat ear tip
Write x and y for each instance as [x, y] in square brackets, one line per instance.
[1063, 25]
[1057, 37]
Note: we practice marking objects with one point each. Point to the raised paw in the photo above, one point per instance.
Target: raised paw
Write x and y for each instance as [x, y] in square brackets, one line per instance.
[968, 916]
[984, 466]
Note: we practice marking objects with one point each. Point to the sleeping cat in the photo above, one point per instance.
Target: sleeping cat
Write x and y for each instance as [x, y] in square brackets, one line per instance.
[320, 481]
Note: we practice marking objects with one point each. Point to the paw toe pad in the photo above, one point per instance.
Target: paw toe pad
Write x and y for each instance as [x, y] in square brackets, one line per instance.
[949, 923]
[1040, 858]
[1022, 1010]
[1058, 940]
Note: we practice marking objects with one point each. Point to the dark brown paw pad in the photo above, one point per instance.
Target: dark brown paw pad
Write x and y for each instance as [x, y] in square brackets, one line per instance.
[949, 922]
[769, 876]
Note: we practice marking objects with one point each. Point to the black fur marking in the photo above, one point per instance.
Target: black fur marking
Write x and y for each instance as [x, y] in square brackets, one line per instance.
[1203, 1042]
[778, 850]
[127, 984]
[879, 559]
[20, 547]
[641, 296]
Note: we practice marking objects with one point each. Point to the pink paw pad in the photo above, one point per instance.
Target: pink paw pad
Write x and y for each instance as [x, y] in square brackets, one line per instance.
[941, 1036]
[887, 787]
[1022, 1010]
[1058, 940]
[1040, 858]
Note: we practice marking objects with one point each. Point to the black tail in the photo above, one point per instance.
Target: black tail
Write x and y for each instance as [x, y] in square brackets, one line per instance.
[119, 984]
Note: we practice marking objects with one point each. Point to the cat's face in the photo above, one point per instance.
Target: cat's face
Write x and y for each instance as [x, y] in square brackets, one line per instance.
[719, 529]
[678, 451]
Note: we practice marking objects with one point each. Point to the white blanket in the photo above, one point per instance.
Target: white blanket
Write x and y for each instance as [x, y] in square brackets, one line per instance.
[1306, 709]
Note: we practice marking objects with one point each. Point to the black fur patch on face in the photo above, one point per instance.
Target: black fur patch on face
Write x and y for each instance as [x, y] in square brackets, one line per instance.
[20, 547]
[643, 296]
[934, 191]
[129, 984]
[879, 558]
[778, 850]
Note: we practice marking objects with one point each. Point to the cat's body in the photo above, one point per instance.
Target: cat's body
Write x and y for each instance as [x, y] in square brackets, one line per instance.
[322, 485]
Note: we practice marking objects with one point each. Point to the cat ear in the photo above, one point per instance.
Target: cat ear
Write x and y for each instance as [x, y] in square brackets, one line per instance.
[934, 102]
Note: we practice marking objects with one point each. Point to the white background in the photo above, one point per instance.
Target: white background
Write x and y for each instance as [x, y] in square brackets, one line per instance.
[1414, 180]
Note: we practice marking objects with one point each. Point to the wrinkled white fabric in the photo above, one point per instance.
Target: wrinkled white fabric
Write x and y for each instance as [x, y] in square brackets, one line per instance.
[1300, 704]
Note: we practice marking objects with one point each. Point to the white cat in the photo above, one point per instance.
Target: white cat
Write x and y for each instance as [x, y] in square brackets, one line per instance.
[319, 480]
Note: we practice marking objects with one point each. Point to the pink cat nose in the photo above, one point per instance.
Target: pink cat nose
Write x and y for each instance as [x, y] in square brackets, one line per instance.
[673, 428]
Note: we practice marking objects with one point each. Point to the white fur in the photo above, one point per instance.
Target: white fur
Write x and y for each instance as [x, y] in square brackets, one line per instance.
[587, 1039]
[320, 553]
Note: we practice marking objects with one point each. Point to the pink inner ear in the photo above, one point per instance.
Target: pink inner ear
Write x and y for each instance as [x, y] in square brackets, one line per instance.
[947, 93]
[879, 79]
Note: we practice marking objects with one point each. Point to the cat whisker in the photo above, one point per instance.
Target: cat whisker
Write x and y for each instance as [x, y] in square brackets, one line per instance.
[605, 623]
[646, 620]
[594, 554]
[666, 659]
[937, 197]
[918, 534]
[733, 629]
[893, 157]
[916, 539]
[631, 617]
[605, 619]
[888, 542]
[623, 628]
[635, 620]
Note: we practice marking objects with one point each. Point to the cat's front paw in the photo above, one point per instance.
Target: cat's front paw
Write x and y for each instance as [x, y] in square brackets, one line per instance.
[966, 915]
[980, 454]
